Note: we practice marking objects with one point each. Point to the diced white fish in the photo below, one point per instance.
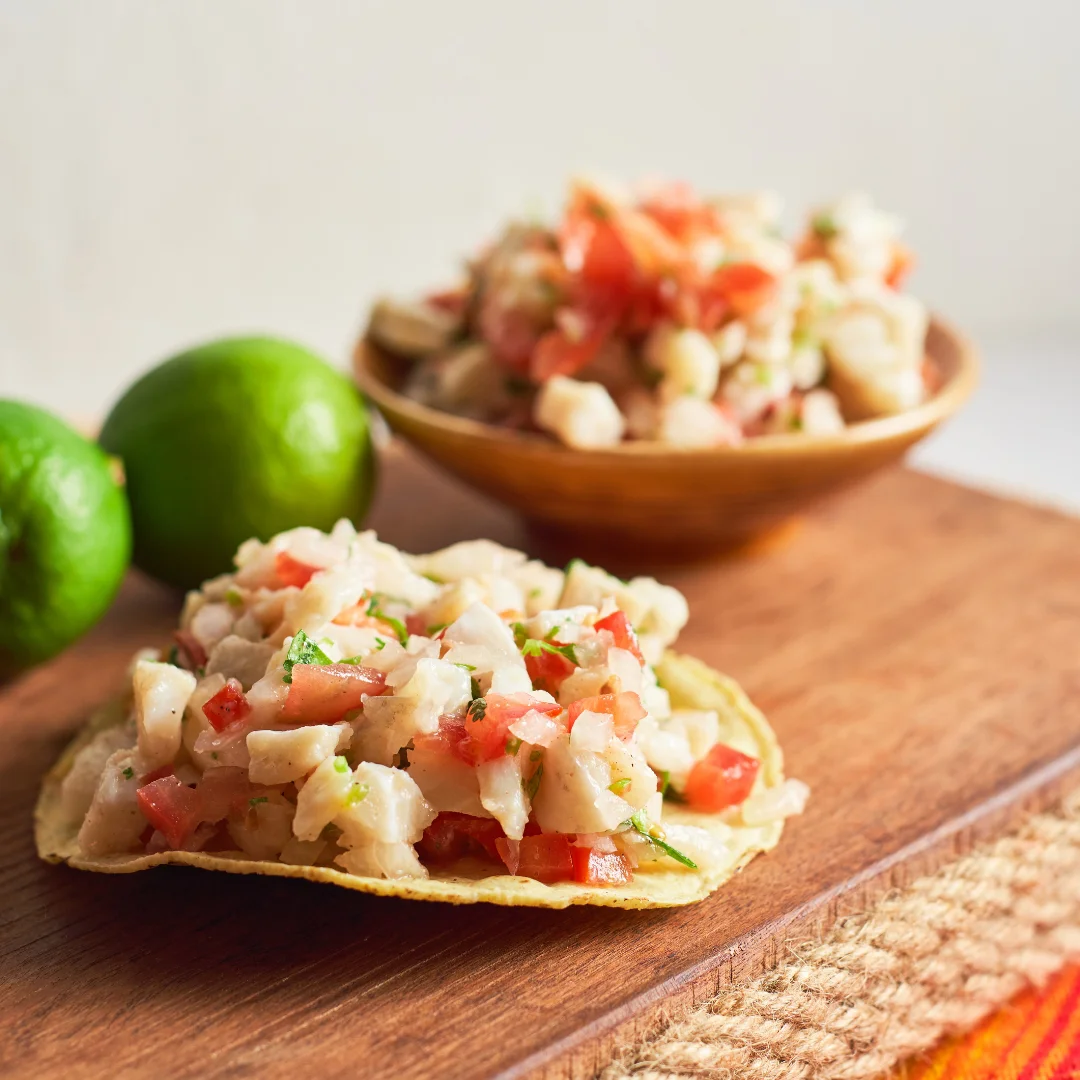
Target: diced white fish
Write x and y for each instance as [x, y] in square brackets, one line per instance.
[161, 693]
[502, 795]
[279, 757]
[321, 798]
[573, 795]
[78, 787]
[382, 860]
[114, 822]
[237, 658]
[388, 807]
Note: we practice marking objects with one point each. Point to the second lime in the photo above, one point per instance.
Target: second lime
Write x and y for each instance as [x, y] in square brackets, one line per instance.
[237, 438]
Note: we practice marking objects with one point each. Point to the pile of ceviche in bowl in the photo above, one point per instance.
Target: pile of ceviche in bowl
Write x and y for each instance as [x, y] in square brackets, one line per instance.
[661, 315]
[467, 725]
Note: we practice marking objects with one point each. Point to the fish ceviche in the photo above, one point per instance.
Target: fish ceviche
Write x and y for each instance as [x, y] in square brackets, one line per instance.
[467, 714]
[660, 315]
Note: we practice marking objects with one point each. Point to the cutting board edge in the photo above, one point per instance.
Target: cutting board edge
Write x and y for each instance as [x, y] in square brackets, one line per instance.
[583, 1054]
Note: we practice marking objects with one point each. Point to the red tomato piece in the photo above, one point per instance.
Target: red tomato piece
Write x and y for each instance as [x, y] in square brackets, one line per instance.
[721, 779]
[171, 807]
[291, 571]
[600, 868]
[745, 286]
[192, 649]
[453, 836]
[625, 709]
[227, 706]
[680, 213]
[618, 625]
[548, 670]
[486, 735]
[449, 739]
[324, 693]
[558, 354]
[902, 262]
[156, 774]
[545, 857]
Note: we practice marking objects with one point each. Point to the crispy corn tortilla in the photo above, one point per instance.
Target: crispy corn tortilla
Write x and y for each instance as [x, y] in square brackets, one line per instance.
[692, 685]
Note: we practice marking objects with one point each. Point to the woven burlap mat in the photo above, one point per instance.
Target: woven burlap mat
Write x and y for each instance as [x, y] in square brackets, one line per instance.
[924, 962]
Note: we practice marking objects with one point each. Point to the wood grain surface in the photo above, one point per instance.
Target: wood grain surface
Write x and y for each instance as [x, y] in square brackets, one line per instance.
[915, 644]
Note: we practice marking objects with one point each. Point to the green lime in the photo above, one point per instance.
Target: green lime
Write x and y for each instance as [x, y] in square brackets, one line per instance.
[237, 438]
[65, 536]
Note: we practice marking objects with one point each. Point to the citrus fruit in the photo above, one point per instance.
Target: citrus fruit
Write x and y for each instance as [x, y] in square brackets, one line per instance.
[65, 535]
[237, 438]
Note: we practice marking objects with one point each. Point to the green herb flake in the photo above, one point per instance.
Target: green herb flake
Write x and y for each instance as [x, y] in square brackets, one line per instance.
[824, 225]
[213, 754]
[477, 709]
[474, 689]
[174, 656]
[129, 772]
[380, 644]
[513, 746]
[465, 667]
[532, 785]
[234, 597]
[303, 651]
[257, 800]
[534, 593]
[374, 609]
[640, 823]
[200, 671]
[341, 764]
[665, 781]
[536, 755]
[357, 794]
[617, 787]
[433, 630]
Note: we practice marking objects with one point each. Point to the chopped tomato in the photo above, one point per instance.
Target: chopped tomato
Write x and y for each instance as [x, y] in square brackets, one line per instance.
[487, 729]
[556, 353]
[227, 706]
[902, 262]
[721, 779]
[453, 836]
[415, 623]
[600, 868]
[625, 708]
[546, 857]
[324, 693]
[291, 571]
[618, 625]
[448, 739]
[548, 671]
[156, 774]
[192, 649]
[171, 807]
[677, 210]
[744, 286]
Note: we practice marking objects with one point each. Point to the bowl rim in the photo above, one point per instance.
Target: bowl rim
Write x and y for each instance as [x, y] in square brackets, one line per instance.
[943, 404]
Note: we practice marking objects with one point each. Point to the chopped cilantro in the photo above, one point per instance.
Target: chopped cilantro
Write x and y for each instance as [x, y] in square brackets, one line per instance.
[474, 689]
[477, 709]
[357, 794]
[256, 801]
[380, 644]
[129, 772]
[619, 786]
[174, 656]
[536, 755]
[824, 225]
[303, 651]
[234, 597]
[213, 754]
[532, 785]
[640, 823]
[465, 667]
[665, 781]
[200, 671]
[534, 593]
[435, 628]
[341, 764]
[433, 577]
[374, 609]
[513, 746]
[572, 563]
[535, 646]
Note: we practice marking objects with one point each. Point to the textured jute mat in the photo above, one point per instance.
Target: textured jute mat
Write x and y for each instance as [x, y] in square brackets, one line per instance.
[924, 962]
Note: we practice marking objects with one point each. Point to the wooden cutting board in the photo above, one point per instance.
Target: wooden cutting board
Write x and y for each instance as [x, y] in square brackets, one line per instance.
[915, 644]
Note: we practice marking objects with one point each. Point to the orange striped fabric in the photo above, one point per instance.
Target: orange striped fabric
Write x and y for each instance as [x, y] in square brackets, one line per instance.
[1037, 1037]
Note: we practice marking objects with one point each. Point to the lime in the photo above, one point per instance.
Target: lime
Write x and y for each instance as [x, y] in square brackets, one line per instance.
[65, 536]
[237, 438]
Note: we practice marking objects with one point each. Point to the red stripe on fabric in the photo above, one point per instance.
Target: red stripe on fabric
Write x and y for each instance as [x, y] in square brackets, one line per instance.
[1050, 1039]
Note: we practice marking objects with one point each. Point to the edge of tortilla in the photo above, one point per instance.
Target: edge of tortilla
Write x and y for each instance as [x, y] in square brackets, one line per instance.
[690, 683]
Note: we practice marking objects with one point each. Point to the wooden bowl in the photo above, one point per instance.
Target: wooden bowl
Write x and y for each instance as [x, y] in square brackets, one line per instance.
[655, 499]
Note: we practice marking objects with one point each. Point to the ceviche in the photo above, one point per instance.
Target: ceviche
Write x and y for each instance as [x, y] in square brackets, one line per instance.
[464, 725]
[661, 315]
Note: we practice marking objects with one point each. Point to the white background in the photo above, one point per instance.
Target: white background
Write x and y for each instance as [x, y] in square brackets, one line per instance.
[178, 169]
